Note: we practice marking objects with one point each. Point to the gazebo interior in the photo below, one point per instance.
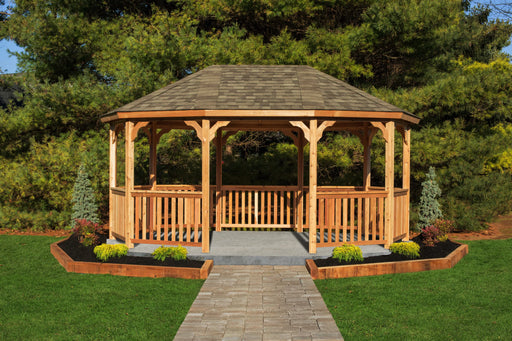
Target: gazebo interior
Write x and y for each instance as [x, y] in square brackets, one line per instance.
[298, 101]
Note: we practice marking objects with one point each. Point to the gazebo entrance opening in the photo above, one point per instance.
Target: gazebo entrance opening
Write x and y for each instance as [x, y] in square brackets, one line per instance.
[298, 101]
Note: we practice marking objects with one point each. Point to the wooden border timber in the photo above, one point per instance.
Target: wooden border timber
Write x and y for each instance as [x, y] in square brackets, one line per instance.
[361, 270]
[130, 270]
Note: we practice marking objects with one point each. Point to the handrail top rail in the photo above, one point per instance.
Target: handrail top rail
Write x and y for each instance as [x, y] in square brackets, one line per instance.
[322, 190]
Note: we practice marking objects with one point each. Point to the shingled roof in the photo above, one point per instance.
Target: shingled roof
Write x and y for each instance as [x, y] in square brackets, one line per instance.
[268, 89]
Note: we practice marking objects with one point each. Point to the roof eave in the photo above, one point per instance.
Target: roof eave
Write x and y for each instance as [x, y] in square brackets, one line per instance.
[268, 114]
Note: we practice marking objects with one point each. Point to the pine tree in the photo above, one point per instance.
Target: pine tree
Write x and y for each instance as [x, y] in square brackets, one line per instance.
[429, 206]
[84, 204]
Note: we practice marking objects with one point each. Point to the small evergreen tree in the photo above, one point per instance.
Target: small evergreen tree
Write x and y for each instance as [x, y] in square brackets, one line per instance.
[430, 209]
[84, 205]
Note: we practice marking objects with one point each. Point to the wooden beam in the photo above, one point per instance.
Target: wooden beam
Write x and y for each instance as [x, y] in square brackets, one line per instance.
[218, 178]
[366, 139]
[128, 183]
[153, 142]
[290, 114]
[390, 182]
[112, 179]
[406, 174]
[205, 184]
[312, 184]
[300, 181]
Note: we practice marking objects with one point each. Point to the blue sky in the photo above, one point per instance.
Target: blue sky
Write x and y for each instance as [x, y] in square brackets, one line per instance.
[8, 62]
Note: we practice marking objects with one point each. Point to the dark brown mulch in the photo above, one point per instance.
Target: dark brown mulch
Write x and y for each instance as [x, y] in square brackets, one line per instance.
[440, 250]
[80, 253]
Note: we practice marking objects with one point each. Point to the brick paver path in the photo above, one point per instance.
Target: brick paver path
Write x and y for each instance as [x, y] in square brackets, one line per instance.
[258, 303]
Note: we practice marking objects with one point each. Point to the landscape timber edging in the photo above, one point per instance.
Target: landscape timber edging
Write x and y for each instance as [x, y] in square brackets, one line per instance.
[360, 270]
[128, 269]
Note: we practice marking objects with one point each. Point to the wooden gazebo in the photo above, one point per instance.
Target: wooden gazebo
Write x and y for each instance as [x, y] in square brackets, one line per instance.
[298, 101]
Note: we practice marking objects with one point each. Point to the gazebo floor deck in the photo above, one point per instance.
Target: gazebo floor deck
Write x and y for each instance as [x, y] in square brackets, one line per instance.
[258, 248]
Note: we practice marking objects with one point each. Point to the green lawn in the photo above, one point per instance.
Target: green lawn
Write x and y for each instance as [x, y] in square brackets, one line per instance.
[472, 301]
[39, 300]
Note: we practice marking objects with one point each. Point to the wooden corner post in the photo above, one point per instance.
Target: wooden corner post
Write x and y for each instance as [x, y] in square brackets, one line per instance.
[390, 181]
[313, 141]
[153, 143]
[112, 180]
[128, 183]
[406, 175]
[218, 179]
[205, 184]
[300, 182]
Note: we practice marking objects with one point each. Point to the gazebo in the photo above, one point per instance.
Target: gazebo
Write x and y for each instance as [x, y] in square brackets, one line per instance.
[298, 101]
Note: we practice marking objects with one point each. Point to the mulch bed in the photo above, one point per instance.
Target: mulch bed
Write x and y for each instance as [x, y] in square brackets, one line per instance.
[440, 250]
[81, 253]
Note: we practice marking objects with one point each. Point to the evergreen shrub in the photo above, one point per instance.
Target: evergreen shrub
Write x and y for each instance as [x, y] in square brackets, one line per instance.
[106, 251]
[407, 249]
[430, 209]
[177, 253]
[84, 203]
[348, 253]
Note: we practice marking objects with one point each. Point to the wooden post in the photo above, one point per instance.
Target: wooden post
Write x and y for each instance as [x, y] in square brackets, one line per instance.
[218, 178]
[312, 184]
[153, 142]
[128, 183]
[367, 166]
[406, 175]
[112, 179]
[390, 181]
[205, 184]
[300, 182]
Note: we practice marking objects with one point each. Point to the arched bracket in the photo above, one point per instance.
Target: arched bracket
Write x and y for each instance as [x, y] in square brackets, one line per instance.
[402, 130]
[137, 126]
[307, 133]
[211, 133]
[382, 128]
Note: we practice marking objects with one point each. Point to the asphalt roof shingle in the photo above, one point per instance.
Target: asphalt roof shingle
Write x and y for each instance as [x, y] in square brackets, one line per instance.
[259, 87]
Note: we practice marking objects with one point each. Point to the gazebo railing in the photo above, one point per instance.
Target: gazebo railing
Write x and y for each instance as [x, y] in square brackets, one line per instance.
[171, 214]
[350, 215]
[401, 224]
[117, 216]
[256, 207]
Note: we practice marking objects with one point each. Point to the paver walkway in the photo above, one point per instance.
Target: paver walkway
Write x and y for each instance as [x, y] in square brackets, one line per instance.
[258, 303]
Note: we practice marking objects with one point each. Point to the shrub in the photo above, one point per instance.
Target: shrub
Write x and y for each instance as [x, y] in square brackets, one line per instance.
[407, 249]
[106, 251]
[87, 232]
[84, 203]
[429, 206]
[347, 253]
[445, 226]
[430, 235]
[177, 253]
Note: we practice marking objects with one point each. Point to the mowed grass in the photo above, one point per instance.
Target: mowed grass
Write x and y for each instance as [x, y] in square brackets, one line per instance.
[472, 301]
[39, 300]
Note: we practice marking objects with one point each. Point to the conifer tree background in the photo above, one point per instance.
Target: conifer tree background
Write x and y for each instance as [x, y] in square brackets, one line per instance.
[84, 204]
[430, 209]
